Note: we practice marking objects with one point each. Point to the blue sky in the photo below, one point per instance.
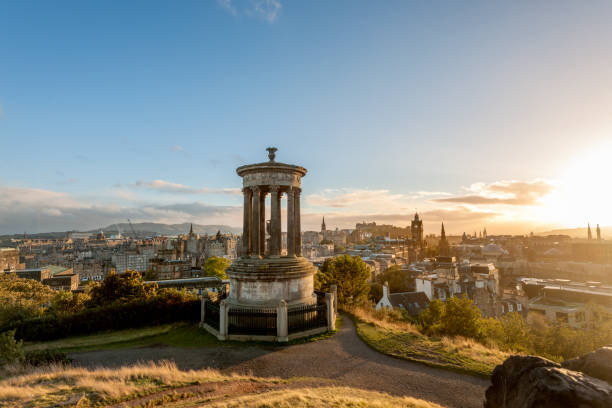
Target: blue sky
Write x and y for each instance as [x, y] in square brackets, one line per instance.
[115, 109]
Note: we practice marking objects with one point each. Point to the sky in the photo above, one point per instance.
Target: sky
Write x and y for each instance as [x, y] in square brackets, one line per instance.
[479, 114]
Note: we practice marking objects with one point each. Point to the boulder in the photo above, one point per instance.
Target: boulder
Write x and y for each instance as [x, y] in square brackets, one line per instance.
[596, 364]
[534, 382]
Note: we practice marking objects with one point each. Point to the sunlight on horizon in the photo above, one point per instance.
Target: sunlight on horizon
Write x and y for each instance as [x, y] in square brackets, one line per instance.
[582, 194]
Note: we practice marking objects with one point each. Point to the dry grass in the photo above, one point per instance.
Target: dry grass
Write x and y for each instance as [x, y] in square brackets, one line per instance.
[322, 398]
[163, 384]
[386, 332]
[50, 385]
[383, 318]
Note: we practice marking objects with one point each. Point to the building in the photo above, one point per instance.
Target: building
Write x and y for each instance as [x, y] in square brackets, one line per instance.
[170, 269]
[411, 302]
[9, 260]
[573, 303]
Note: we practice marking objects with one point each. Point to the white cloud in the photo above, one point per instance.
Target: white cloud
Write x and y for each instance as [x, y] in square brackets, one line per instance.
[170, 187]
[228, 6]
[37, 210]
[267, 10]
[511, 192]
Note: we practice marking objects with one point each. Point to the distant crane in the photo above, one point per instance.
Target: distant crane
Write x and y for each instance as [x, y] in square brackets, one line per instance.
[135, 237]
[132, 227]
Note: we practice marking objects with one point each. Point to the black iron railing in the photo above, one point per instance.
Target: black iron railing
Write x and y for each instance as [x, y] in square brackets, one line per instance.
[261, 322]
[211, 314]
[303, 318]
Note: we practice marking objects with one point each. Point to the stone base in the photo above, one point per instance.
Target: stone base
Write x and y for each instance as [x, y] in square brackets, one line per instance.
[265, 282]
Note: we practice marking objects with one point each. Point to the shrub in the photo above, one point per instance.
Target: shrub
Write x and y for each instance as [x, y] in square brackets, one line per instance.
[10, 349]
[46, 357]
[168, 307]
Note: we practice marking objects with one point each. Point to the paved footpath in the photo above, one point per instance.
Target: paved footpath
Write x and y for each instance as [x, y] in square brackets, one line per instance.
[343, 359]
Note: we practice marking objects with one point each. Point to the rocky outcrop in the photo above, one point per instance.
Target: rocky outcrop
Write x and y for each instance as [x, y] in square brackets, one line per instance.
[596, 364]
[534, 382]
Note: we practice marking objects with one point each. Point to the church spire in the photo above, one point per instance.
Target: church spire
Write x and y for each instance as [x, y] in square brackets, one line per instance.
[323, 228]
[589, 233]
[443, 233]
[191, 229]
[598, 233]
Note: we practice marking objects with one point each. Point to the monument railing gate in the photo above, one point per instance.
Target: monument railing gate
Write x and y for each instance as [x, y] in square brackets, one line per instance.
[211, 314]
[261, 322]
[307, 317]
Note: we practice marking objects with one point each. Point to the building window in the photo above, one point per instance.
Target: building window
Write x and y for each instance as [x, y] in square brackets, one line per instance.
[510, 308]
[562, 317]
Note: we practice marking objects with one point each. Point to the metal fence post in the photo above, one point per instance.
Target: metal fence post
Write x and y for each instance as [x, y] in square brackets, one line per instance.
[282, 331]
[203, 311]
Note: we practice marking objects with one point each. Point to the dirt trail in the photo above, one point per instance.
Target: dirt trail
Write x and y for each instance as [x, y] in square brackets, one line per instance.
[343, 359]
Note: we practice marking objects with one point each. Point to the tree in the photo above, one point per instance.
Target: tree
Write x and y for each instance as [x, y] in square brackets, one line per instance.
[349, 274]
[397, 278]
[461, 318]
[431, 318]
[216, 266]
[125, 287]
[150, 275]
[69, 302]
[22, 298]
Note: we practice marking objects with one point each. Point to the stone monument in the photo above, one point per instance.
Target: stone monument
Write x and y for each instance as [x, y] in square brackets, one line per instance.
[269, 281]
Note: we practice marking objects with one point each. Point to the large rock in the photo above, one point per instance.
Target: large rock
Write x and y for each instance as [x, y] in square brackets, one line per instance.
[596, 364]
[534, 382]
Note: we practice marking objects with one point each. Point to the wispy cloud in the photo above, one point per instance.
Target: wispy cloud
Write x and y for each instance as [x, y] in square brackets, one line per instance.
[228, 6]
[267, 10]
[170, 187]
[503, 192]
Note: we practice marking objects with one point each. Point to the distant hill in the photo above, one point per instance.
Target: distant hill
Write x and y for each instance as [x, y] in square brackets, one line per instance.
[152, 228]
[606, 232]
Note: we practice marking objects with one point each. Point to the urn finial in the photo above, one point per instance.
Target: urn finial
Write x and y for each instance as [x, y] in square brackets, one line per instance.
[271, 153]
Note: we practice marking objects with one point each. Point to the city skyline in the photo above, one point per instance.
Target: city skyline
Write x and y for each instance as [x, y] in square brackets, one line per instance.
[494, 116]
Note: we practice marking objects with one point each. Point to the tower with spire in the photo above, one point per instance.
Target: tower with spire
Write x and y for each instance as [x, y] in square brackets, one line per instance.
[589, 233]
[323, 227]
[416, 230]
[443, 247]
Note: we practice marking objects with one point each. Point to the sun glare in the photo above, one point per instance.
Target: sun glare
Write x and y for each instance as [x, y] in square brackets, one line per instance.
[583, 193]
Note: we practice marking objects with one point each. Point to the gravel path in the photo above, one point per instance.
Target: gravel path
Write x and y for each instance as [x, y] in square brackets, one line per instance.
[343, 359]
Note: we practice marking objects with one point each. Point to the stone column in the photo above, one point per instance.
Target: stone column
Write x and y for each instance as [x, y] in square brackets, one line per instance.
[255, 223]
[331, 315]
[246, 223]
[275, 222]
[262, 222]
[223, 321]
[290, 223]
[298, 228]
[282, 326]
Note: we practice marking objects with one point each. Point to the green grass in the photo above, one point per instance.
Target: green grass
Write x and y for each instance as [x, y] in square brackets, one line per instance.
[459, 355]
[178, 335]
[183, 335]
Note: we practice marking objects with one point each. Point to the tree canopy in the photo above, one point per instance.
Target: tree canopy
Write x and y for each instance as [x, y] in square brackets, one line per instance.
[22, 298]
[125, 287]
[349, 274]
[397, 278]
[216, 266]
